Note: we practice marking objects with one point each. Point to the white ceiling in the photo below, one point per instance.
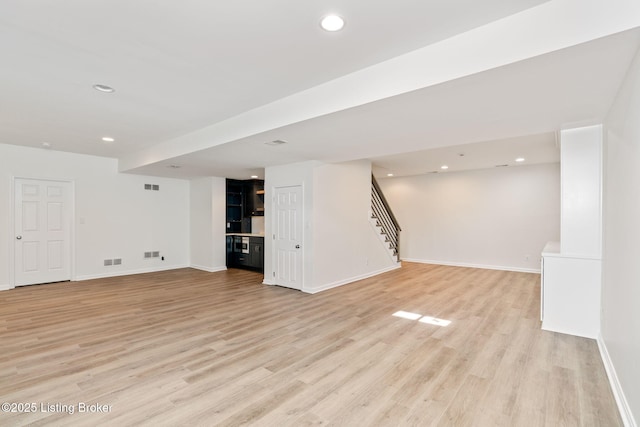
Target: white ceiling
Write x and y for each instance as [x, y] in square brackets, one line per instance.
[178, 67]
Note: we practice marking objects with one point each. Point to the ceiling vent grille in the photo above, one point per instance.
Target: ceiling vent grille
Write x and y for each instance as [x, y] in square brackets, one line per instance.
[276, 142]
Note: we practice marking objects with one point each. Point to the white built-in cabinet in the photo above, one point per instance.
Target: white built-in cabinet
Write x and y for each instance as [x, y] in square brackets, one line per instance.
[571, 268]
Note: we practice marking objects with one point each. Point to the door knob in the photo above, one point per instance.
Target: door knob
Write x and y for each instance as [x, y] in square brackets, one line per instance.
[297, 246]
[19, 237]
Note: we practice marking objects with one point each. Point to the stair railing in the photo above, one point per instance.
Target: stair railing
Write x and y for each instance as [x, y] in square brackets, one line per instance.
[381, 212]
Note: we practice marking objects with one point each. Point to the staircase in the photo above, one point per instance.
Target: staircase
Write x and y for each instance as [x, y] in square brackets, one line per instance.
[384, 221]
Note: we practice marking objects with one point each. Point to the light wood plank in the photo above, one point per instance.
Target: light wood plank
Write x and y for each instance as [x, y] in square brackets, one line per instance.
[186, 347]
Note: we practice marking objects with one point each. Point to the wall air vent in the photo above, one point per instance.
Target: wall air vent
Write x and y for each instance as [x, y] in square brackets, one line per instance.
[117, 261]
[147, 186]
[155, 254]
[155, 187]
[148, 254]
[108, 262]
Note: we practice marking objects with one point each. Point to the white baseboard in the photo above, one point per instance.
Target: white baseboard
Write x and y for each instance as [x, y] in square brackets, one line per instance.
[576, 333]
[127, 272]
[5, 287]
[483, 266]
[618, 393]
[321, 288]
[209, 269]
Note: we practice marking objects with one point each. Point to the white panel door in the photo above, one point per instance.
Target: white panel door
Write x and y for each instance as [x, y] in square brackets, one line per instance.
[288, 236]
[42, 220]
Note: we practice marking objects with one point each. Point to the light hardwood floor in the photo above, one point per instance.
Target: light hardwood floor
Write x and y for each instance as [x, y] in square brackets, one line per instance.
[186, 347]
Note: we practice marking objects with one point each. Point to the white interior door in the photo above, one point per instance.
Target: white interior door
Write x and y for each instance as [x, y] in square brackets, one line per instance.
[42, 221]
[288, 237]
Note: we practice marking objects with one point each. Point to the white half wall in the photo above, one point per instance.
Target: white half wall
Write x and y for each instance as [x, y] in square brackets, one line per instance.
[493, 218]
[620, 314]
[207, 212]
[115, 217]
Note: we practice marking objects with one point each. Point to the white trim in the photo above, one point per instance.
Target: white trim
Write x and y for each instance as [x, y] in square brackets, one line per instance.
[578, 333]
[12, 233]
[616, 387]
[350, 280]
[129, 272]
[483, 266]
[209, 269]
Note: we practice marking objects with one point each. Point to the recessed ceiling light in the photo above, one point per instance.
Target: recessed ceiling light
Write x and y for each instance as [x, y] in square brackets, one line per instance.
[520, 159]
[389, 174]
[444, 167]
[254, 176]
[332, 23]
[107, 139]
[104, 88]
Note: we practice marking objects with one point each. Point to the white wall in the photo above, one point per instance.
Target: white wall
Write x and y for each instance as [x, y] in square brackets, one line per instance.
[581, 201]
[345, 243]
[340, 245]
[207, 210]
[493, 218]
[114, 216]
[620, 327]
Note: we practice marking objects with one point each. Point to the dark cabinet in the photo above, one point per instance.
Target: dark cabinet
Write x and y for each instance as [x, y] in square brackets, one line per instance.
[244, 200]
[245, 252]
[256, 252]
[254, 198]
[243, 260]
[235, 205]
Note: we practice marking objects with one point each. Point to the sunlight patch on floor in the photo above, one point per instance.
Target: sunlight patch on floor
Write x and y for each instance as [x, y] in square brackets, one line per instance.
[407, 315]
[422, 319]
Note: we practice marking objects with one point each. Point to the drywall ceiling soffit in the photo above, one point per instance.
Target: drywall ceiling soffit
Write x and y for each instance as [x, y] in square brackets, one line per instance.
[531, 97]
